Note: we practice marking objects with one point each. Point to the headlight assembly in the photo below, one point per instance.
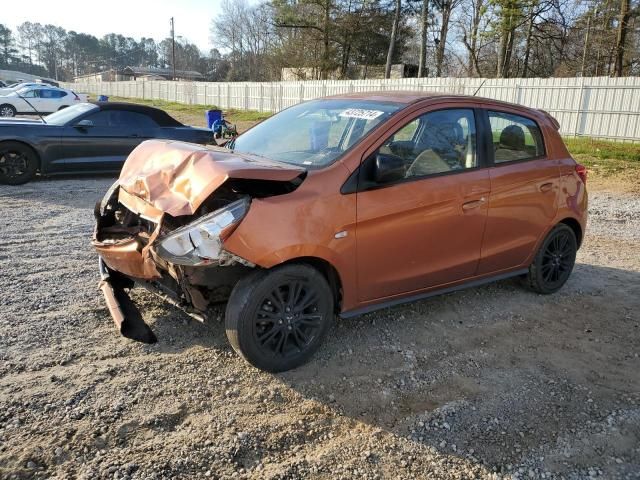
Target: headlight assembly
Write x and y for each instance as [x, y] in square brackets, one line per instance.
[200, 242]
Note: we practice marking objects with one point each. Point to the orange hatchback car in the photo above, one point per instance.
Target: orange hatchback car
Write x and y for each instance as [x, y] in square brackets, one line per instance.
[341, 205]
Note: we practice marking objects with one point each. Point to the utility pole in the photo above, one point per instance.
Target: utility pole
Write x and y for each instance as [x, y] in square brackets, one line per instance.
[173, 49]
[586, 45]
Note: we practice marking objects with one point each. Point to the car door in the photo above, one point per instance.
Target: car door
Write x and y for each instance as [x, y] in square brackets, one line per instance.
[49, 100]
[524, 191]
[100, 141]
[424, 229]
[29, 101]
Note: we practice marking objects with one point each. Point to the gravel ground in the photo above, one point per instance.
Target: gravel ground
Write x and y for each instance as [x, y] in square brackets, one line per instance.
[494, 382]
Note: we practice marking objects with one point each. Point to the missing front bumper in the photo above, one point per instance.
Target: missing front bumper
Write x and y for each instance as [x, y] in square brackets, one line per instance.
[124, 313]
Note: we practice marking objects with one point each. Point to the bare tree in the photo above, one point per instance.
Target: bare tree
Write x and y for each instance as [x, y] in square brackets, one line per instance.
[446, 8]
[623, 23]
[392, 40]
[424, 23]
[470, 36]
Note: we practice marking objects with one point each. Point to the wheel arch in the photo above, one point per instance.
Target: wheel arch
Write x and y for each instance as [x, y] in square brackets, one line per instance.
[10, 105]
[575, 226]
[27, 145]
[328, 271]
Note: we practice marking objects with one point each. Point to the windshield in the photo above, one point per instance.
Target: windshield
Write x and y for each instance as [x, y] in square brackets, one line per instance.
[64, 116]
[315, 133]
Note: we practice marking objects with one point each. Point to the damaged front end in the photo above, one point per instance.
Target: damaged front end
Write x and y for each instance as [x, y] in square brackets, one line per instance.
[163, 224]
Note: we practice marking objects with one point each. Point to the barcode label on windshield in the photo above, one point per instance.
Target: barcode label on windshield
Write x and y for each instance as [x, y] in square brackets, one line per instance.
[359, 113]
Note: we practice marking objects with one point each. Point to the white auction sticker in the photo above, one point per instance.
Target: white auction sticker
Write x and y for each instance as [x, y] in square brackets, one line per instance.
[360, 113]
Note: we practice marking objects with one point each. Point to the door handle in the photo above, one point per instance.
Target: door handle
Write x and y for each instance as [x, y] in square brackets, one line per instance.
[473, 204]
[134, 135]
[546, 187]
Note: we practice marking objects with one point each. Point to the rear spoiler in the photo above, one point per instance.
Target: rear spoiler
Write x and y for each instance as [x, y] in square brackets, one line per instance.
[554, 122]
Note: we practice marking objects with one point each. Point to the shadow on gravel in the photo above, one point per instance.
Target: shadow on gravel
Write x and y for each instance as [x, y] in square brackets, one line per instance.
[496, 374]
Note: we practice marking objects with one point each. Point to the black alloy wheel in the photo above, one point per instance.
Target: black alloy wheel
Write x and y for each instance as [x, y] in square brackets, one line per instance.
[288, 319]
[554, 261]
[18, 163]
[277, 319]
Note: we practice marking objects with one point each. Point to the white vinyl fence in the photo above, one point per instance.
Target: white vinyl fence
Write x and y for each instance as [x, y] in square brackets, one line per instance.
[599, 107]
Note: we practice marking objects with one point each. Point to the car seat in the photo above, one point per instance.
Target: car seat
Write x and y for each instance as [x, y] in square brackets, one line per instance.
[512, 144]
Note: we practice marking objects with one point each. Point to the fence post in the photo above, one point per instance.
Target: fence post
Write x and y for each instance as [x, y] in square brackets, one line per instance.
[261, 97]
[281, 97]
[578, 108]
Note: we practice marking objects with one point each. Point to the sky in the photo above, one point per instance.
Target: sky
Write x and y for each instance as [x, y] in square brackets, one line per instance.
[131, 18]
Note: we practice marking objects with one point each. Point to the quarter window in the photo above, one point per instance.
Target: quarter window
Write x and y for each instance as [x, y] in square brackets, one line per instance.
[437, 142]
[515, 137]
[46, 93]
[124, 118]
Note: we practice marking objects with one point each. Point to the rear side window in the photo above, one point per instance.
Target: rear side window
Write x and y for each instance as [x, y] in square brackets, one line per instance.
[124, 118]
[121, 118]
[515, 137]
[46, 93]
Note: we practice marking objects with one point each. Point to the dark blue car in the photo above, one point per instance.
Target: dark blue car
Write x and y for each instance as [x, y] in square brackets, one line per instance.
[85, 138]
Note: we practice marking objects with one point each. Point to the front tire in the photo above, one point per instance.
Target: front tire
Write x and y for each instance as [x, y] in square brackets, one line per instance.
[18, 163]
[276, 319]
[7, 110]
[554, 261]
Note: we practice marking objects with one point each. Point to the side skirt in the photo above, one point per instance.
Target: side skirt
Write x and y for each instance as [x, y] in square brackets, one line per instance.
[431, 293]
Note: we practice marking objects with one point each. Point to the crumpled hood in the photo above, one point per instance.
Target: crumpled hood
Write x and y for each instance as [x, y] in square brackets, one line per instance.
[176, 177]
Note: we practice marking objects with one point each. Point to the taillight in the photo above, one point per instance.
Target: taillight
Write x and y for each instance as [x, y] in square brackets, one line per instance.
[581, 170]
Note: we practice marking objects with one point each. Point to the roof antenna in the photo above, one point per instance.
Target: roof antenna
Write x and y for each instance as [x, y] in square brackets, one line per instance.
[478, 89]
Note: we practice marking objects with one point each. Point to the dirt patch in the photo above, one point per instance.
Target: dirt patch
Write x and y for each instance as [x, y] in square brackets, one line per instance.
[486, 383]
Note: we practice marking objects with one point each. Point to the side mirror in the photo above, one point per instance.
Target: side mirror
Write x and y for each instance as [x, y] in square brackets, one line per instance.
[84, 124]
[389, 168]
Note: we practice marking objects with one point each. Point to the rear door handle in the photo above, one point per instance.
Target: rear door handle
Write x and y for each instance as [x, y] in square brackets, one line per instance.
[473, 204]
[546, 187]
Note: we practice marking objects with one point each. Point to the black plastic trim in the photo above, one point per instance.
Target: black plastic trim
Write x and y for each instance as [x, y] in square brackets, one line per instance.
[432, 293]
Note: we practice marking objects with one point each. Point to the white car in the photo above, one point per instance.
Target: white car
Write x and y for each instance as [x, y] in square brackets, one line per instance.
[37, 99]
[17, 86]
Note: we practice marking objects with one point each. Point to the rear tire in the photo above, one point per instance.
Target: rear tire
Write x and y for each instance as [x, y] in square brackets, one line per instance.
[18, 163]
[554, 261]
[7, 110]
[276, 319]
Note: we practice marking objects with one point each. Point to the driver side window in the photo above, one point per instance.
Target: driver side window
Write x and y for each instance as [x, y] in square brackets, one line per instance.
[435, 143]
[30, 94]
